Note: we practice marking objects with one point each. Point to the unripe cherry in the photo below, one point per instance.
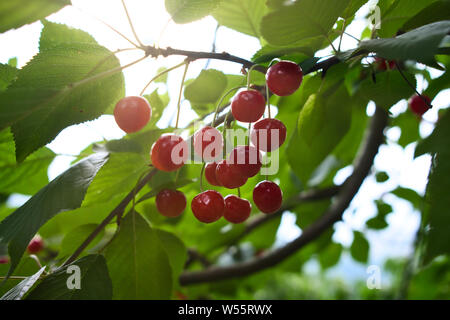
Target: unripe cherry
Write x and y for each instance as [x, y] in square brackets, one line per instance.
[132, 113]
[237, 210]
[170, 203]
[248, 106]
[267, 196]
[284, 78]
[169, 152]
[268, 134]
[208, 206]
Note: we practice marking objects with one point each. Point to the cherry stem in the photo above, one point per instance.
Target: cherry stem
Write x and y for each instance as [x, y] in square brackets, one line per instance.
[131, 24]
[413, 87]
[268, 101]
[201, 176]
[181, 91]
[342, 34]
[220, 102]
[248, 75]
[161, 74]
[249, 129]
[110, 27]
[239, 192]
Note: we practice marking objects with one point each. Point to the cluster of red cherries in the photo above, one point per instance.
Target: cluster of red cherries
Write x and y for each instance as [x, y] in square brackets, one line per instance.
[170, 151]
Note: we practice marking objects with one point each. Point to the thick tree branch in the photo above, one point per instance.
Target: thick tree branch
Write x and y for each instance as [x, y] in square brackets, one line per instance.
[374, 138]
[310, 195]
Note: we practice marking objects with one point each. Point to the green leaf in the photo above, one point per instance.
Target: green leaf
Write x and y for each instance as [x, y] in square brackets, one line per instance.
[376, 223]
[158, 103]
[184, 11]
[241, 15]
[322, 124]
[76, 237]
[27, 177]
[23, 287]
[206, 88]
[14, 14]
[360, 247]
[389, 88]
[45, 99]
[116, 178]
[176, 251]
[301, 20]
[398, 13]
[436, 217]
[420, 44]
[330, 255]
[437, 11]
[95, 283]
[409, 195]
[268, 53]
[7, 75]
[381, 176]
[65, 192]
[408, 123]
[353, 6]
[56, 34]
[138, 263]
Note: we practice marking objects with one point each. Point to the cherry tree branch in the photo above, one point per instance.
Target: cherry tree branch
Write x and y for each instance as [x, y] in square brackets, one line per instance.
[119, 209]
[374, 138]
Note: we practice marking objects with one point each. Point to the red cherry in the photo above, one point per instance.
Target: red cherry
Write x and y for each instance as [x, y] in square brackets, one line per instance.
[263, 132]
[208, 206]
[237, 210]
[284, 78]
[169, 152]
[170, 203]
[4, 260]
[210, 174]
[229, 175]
[248, 106]
[382, 64]
[247, 159]
[132, 113]
[418, 105]
[208, 143]
[36, 245]
[267, 196]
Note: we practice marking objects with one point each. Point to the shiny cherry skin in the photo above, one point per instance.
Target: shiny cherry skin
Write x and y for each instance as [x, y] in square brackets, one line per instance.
[210, 174]
[248, 106]
[247, 159]
[208, 143]
[169, 153]
[170, 203]
[267, 196]
[418, 105]
[284, 78]
[237, 210]
[4, 259]
[208, 206]
[229, 175]
[132, 113]
[36, 245]
[264, 130]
